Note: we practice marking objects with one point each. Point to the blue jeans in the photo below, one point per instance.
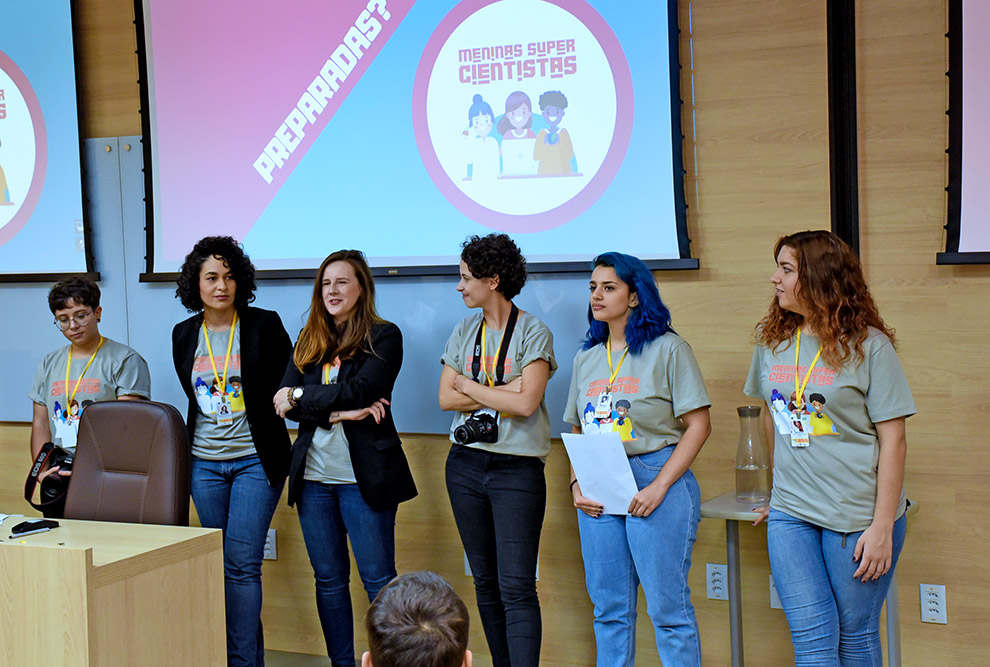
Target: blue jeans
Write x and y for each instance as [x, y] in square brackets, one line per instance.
[622, 551]
[498, 501]
[235, 496]
[834, 619]
[329, 514]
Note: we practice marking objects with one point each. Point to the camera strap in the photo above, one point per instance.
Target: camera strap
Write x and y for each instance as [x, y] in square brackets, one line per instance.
[503, 348]
[40, 463]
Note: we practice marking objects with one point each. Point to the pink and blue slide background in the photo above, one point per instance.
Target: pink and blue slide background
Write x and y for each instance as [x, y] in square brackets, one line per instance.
[225, 80]
[37, 37]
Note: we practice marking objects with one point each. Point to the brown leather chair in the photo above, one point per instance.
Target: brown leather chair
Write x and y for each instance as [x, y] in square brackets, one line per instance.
[131, 465]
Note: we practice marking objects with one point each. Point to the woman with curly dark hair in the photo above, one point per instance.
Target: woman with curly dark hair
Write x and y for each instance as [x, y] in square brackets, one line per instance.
[348, 473]
[496, 367]
[230, 358]
[836, 514]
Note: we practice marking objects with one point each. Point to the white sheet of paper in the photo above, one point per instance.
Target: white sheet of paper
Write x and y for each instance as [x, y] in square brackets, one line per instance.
[602, 469]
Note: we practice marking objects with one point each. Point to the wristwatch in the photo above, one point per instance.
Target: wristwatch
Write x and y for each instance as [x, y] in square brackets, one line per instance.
[294, 395]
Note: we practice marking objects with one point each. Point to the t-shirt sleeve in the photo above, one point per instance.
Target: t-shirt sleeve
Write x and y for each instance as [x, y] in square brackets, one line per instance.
[685, 381]
[537, 343]
[754, 381]
[452, 352]
[888, 395]
[39, 390]
[133, 378]
[570, 407]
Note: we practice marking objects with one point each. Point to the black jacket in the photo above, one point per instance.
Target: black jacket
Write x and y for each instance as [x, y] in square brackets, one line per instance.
[265, 347]
[380, 466]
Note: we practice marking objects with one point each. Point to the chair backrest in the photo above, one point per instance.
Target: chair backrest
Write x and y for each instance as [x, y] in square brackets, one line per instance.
[131, 465]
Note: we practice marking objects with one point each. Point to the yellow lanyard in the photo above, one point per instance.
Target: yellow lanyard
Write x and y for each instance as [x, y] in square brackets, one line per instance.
[608, 352]
[68, 367]
[799, 389]
[222, 388]
[484, 366]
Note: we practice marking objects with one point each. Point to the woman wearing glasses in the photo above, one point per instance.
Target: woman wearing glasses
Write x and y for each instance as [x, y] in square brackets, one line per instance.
[229, 358]
[91, 368]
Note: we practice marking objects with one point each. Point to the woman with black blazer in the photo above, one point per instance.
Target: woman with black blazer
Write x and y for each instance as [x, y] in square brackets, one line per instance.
[348, 472]
[230, 358]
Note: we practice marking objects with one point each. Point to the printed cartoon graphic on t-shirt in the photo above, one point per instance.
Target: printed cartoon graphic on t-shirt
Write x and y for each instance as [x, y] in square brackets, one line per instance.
[810, 417]
[209, 396]
[607, 412]
[65, 419]
[821, 424]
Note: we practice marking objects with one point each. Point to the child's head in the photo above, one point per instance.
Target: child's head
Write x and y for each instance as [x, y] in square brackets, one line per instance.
[417, 619]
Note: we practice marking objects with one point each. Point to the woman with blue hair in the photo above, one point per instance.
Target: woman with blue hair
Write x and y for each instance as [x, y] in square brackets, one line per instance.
[631, 354]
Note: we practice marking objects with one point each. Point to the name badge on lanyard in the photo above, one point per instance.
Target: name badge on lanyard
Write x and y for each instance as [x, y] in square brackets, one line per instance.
[603, 407]
[800, 418]
[221, 402]
[225, 415]
[800, 429]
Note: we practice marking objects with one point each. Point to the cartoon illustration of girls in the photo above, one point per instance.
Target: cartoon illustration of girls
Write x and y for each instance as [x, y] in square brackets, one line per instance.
[517, 122]
[621, 423]
[4, 190]
[202, 391]
[821, 423]
[778, 406]
[553, 147]
[589, 425]
[481, 149]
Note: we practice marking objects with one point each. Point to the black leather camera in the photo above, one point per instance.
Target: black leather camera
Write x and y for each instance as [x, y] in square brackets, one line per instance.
[479, 427]
[53, 486]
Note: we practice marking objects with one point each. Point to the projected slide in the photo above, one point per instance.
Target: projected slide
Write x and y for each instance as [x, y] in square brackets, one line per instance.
[41, 224]
[400, 127]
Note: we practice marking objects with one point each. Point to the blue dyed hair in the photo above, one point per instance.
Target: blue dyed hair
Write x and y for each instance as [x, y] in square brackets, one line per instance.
[478, 107]
[648, 320]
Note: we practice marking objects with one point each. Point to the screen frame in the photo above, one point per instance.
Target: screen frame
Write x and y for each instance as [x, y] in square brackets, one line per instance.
[953, 189]
[90, 272]
[683, 262]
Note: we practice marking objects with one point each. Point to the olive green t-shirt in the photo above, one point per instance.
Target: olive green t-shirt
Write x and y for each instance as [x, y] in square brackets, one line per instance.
[833, 481]
[531, 341]
[651, 391]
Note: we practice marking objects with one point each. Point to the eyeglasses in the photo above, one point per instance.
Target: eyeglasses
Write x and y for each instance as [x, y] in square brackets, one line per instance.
[81, 319]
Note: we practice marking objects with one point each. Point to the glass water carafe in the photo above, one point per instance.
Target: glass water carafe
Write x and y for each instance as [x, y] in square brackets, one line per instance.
[752, 459]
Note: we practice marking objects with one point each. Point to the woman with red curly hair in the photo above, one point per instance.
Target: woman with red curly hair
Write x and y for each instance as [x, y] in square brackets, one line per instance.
[836, 515]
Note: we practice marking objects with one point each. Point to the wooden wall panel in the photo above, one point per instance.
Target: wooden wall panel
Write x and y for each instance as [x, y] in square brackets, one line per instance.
[757, 165]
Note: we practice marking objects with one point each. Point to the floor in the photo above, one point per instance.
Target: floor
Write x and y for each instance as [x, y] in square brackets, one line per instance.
[283, 659]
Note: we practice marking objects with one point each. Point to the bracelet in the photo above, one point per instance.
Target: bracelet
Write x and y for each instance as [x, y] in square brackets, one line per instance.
[292, 401]
[573, 482]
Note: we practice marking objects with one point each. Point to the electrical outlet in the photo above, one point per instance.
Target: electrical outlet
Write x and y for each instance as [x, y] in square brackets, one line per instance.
[933, 604]
[271, 550]
[716, 577]
[774, 598]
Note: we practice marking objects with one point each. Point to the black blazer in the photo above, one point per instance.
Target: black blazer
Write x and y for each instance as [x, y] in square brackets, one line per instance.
[380, 466]
[265, 347]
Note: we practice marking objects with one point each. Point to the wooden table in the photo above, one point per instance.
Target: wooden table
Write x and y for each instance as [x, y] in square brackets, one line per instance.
[100, 593]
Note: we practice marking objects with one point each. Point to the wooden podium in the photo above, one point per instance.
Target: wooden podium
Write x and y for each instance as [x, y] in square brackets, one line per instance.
[99, 593]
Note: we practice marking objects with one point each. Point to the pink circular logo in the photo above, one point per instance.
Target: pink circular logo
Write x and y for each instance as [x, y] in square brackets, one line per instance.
[23, 149]
[522, 110]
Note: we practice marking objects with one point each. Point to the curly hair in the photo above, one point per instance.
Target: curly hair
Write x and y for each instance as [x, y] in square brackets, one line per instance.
[230, 251]
[321, 338]
[647, 321]
[496, 255]
[80, 290]
[831, 284]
